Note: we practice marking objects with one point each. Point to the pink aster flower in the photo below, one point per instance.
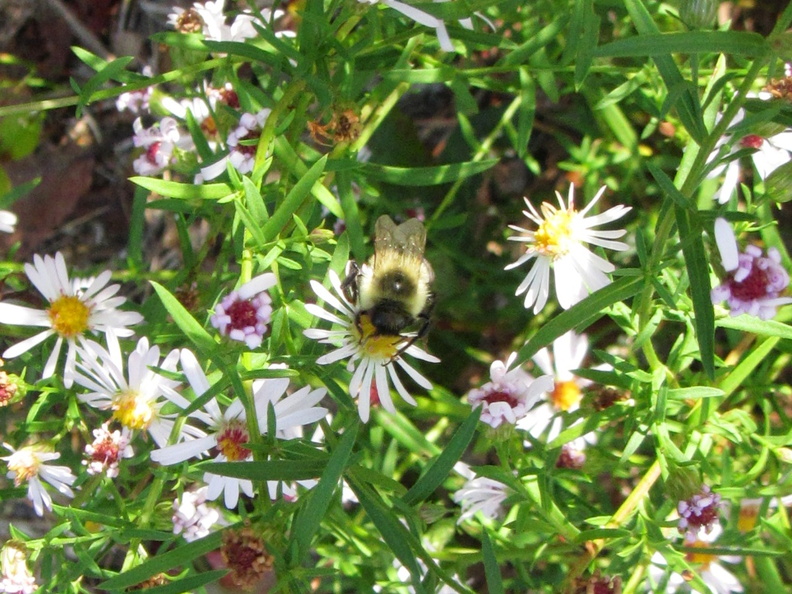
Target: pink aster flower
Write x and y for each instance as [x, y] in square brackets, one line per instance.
[754, 281]
[242, 144]
[700, 512]
[193, 517]
[509, 395]
[106, 450]
[243, 314]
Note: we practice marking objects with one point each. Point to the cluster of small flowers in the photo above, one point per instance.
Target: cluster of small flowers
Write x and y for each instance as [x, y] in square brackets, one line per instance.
[136, 389]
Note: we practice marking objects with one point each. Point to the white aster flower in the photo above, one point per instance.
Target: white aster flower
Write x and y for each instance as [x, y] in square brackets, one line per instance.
[243, 314]
[8, 221]
[509, 395]
[227, 431]
[481, 494]
[193, 518]
[136, 398]
[106, 450]
[76, 308]
[372, 358]
[770, 154]
[565, 394]
[559, 243]
[754, 282]
[16, 576]
[29, 464]
[160, 141]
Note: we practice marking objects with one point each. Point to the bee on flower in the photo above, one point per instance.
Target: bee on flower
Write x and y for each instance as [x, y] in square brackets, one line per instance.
[559, 243]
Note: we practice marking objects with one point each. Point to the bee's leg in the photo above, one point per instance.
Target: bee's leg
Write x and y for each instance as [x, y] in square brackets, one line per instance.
[349, 286]
[426, 322]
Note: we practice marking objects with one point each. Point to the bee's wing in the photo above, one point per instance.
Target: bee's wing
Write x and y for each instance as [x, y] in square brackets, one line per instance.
[409, 238]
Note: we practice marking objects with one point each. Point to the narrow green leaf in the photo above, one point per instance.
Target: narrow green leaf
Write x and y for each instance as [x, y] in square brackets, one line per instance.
[442, 465]
[700, 288]
[269, 470]
[250, 223]
[290, 159]
[694, 392]
[184, 320]
[491, 568]
[587, 45]
[173, 189]
[307, 522]
[582, 314]
[527, 111]
[254, 201]
[669, 188]
[107, 72]
[687, 42]
[163, 562]
[604, 533]
[425, 176]
[294, 199]
[746, 367]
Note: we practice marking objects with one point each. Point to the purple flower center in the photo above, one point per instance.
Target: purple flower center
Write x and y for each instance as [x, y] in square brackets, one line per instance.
[242, 314]
[754, 286]
[151, 152]
[500, 396]
[248, 149]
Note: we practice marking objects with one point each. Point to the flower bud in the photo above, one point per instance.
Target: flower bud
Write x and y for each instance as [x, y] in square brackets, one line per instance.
[698, 14]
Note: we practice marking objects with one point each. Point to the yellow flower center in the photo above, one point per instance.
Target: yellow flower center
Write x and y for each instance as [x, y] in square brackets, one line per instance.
[132, 411]
[25, 464]
[231, 440]
[554, 235]
[702, 559]
[372, 345]
[565, 395]
[69, 316]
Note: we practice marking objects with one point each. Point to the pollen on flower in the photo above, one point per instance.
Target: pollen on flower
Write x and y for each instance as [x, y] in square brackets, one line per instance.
[373, 345]
[230, 441]
[69, 316]
[189, 21]
[554, 234]
[565, 395]
[132, 411]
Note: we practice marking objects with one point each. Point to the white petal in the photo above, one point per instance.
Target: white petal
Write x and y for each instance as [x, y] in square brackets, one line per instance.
[727, 244]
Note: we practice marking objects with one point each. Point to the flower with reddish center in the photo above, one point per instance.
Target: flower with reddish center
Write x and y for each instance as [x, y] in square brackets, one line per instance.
[244, 553]
[76, 309]
[243, 314]
[228, 432]
[754, 281]
[509, 395]
[29, 465]
[559, 243]
[570, 457]
[242, 145]
[159, 142]
[373, 358]
[107, 449]
[700, 512]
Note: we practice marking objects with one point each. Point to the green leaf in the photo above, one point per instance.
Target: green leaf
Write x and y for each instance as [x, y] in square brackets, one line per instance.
[582, 314]
[491, 567]
[526, 113]
[694, 392]
[439, 469]
[173, 189]
[162, 562]
[425, 176]
[266, 470]
[108, 71]
[687, 42]
[184, 320]
[700, 288]
[589, 27]
[293, 200]
[308, 520]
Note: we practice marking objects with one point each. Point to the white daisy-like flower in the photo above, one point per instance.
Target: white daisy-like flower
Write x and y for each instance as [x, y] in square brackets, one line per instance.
[715, 576]
[160, 141]
[754, 282]
[243, 314]
[227, 431]
[242, 144]
[770, 154]
[8, 221]
[15, 575]
[509, 395]
[193, 518]
[372, 358]
[565, 394]
[106, 450]
[76, 308]
[29, 464]
[481, 494]
[136, 399]
[559, 243]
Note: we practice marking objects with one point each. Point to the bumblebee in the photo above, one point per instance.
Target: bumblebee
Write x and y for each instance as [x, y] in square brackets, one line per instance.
[392, 291]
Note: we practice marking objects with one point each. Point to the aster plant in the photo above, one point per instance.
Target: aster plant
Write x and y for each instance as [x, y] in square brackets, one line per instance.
[593, 400]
